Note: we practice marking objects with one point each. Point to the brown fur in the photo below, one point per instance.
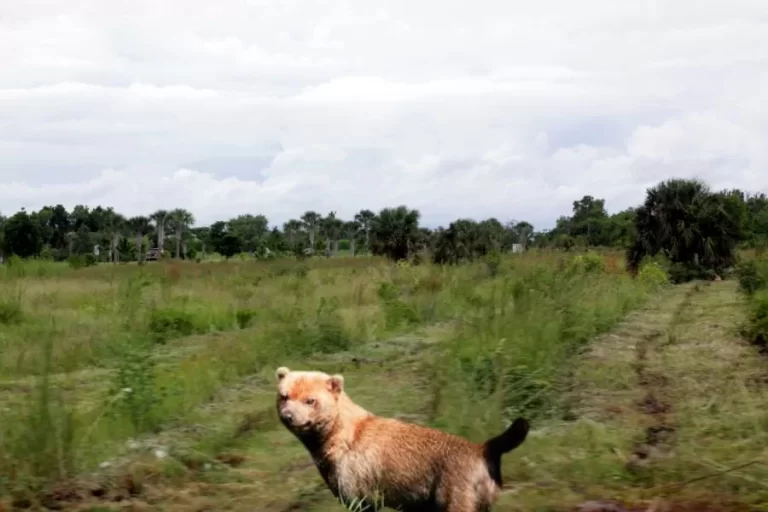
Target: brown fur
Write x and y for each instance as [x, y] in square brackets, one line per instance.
[387, 461]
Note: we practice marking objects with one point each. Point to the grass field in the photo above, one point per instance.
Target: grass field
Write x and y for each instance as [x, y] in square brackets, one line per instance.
[152, 388]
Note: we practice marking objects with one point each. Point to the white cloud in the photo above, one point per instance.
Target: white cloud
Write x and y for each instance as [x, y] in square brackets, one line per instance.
[511, 109]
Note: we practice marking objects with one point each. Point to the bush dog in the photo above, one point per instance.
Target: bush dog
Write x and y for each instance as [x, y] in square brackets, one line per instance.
[377, 462]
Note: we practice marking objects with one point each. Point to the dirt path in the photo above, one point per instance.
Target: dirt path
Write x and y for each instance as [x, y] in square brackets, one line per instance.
[684, 402]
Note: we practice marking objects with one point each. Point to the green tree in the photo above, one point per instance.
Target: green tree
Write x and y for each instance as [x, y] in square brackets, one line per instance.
[330, 227]
[351, 230]
[160, 220]
[311, 221]
[21, 235]
[252, 231]
[292, 230]
[690, 225]
[115, 226]
[139, 226]
[180, 221]
[224, 241]
[365, 218]
[589, 220]
[395, 232]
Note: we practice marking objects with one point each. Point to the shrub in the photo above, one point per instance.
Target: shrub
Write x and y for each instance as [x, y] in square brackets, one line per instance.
[244, 317]
[752, 277]
[396, 311]
[168, 323]
[134, 393]
[653, 275]
[10, 311]
[591, 262]
[331, 336]
[77, 261]
[757, 330]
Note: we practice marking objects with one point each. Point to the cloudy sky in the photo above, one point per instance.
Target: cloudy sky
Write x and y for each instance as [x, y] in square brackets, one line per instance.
[503, 108]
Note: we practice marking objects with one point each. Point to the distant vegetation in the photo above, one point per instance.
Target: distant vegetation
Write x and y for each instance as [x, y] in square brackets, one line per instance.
[696, 229]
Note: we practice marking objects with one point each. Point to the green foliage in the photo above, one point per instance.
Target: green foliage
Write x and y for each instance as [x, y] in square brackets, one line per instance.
[331, 336]
[653, 274]
[37, 440]
[21, 236]
[519, 335]
[397, 312]
[395, 232]
[466, 240]
[134, 393]
[590, 262]
[245, 317]
[698, 230]
[757, 326]
[170, 322]
[11, 312]
[77, 261]
[752, 276]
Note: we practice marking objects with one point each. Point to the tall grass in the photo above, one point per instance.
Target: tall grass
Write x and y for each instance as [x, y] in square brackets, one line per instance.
[753, 282]
[91, 357]
[510, 353]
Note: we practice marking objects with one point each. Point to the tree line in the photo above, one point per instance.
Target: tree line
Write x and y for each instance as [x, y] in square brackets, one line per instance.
[675, 213]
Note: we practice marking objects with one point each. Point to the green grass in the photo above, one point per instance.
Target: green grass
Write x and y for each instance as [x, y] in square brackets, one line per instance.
[104, 368]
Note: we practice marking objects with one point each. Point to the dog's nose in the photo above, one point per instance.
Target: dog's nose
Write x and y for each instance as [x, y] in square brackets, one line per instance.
[287, 416]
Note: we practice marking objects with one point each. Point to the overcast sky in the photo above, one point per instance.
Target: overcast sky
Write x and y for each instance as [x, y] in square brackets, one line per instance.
[479, 108]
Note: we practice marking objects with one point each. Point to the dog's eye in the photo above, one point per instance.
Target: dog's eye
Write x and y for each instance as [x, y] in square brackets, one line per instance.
[309, 401]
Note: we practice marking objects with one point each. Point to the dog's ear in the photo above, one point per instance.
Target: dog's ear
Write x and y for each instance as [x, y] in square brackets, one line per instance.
[282, 372]
[336, 384]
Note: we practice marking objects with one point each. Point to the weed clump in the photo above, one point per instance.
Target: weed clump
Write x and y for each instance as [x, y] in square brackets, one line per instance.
[10, 311]
[134, 394]
[591, 262]
[330, 335]
[168, 323]
[245, 317]
[78, 261]
[653, 275]
[396, 312]
[757, 329]
[752, 276]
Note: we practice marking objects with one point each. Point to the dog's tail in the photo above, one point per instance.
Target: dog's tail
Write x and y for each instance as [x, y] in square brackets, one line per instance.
[505, 442]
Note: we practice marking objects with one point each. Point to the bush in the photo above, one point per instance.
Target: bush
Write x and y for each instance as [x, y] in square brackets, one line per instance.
[752, 276]
[757, 329]
[245, 317]
[396, 312]
[331, 336]
[134, 393]
[10, 311]
[77, 261]
[168, 323]
[653, 275]
[591, 262]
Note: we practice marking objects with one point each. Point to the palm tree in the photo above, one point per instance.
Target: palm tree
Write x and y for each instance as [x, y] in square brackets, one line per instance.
[691, 225]
[311, 222]
[71, 238]
[139, 226]
[291, 229]
[115, 224]
[350, 230]
[365, 218]
[180, 220]
[395, 232]
[331, 227]
[160, 218]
